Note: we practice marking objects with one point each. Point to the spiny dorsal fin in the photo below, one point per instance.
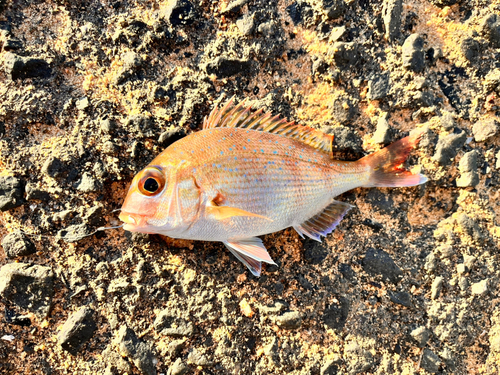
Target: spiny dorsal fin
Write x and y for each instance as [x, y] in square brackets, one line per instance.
[242, 116]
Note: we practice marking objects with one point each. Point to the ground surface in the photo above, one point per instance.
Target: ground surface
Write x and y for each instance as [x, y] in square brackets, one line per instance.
[91, 91]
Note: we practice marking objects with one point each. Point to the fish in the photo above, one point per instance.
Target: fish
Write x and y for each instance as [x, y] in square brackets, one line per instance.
[248, 173]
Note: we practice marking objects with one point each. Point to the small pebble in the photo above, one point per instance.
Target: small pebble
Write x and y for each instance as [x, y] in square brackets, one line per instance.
[480, 288]
[436, 287]
[289, 320]
[421, 336]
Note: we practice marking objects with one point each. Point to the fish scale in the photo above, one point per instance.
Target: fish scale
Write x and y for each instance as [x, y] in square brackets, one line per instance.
[247, 174]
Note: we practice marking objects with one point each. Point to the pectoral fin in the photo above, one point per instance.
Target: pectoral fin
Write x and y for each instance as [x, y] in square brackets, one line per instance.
[224, 212]
[324, 222]
[251, 252]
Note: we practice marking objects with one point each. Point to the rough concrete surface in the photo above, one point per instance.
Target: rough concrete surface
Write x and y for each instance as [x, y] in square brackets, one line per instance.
[91, 91]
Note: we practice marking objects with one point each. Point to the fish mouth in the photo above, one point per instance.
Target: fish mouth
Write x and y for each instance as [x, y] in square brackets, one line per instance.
[133, 222]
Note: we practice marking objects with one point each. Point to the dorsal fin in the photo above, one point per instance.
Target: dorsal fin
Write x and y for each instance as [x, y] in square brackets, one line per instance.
[242, 116]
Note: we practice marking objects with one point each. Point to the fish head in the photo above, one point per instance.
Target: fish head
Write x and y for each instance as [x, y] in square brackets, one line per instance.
[143, 197]
[161, 199]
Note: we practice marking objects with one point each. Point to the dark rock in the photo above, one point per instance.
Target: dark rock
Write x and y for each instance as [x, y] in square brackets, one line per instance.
[34, 193]
[12, 44]
[2, 129]
[170, 136]
[421, 335]
[333, 8]
[413, 53]
[343, 107]
[471, 227]
[449, 359]
[347, 271]
[401, 298]
[379, 86]
[345, 139]
[88, 183]
[175, 347]
[3, 5]
[424, 98]
[484, 129]
[468, 170]
[471, 49]
[227, 67]
[430, 361]
[132, 347]
[331, 367]
[234, 6]
[77, 330]
[11, 192]
[344, 54]
[28, 286]
[180, 12]
[246, 24]
[319, 66]
[143, 125]
[490, 28]
[314, 251]
[380, 201]
[391, 13]
[444, 3]
[335, 315]
[18, 67]
[289, 320]
[169, 325]
[11, 317]
[178, 368]
[94, 216]
[53, 167]
[74, 233]
[300, 12]
[448, 146]
[17, 244]
[378, 262]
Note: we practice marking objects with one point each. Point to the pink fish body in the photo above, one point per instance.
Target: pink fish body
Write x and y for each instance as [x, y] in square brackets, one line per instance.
[247, 174]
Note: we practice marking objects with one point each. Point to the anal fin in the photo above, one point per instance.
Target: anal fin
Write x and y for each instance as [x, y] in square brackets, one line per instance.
[251, 252]
[325, 222]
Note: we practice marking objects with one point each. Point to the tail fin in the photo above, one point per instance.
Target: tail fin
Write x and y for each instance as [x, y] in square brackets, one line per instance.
[386, 164]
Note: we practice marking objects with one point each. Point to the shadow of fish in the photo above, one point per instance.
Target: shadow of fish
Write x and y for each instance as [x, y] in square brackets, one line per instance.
[247, 174]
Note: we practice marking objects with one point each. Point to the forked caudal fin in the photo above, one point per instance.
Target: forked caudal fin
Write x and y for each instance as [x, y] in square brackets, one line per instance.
[386, 164]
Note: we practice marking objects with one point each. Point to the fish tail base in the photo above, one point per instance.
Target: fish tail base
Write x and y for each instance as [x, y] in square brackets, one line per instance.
[386, 164]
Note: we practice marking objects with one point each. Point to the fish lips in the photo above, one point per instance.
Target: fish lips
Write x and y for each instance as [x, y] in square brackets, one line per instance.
[134, 222]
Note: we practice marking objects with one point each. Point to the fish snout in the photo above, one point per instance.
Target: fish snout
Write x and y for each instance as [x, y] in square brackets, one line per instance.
[133, 222]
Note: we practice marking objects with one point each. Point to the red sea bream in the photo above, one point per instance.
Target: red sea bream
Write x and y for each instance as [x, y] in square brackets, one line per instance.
[247, 174]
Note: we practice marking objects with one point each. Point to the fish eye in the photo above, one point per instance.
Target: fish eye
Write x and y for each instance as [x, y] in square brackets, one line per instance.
[152, 181]
[151, 185]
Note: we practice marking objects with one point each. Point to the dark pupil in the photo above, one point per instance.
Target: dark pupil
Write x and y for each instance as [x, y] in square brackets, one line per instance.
[151, 185]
